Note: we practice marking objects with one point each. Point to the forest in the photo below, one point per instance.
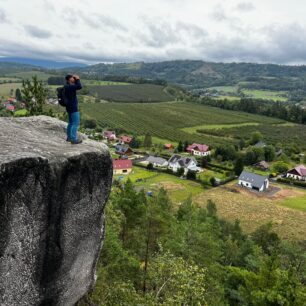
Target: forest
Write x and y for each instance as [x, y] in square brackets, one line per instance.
[156, 253]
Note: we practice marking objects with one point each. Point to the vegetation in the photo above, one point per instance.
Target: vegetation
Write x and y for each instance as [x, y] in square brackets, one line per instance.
[133, 93]
[157, 255]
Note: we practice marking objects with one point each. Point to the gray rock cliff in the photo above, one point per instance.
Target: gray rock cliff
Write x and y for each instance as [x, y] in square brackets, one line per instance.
[52, 198]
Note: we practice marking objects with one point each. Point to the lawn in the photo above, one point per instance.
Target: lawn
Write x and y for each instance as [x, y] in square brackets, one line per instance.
[252, 210]
[178, 189]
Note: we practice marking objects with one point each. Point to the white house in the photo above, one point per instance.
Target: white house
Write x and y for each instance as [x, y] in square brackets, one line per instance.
[199, 149]
[187, 163]
[156, 161]
[253, 181]
[297, 173]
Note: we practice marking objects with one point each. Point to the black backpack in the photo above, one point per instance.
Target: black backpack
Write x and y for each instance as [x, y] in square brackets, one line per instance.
[61, 96]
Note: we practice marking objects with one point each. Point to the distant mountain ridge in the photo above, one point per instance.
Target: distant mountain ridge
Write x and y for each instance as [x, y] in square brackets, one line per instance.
[200, 73]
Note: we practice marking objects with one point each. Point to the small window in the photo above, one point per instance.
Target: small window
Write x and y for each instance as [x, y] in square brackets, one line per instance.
[124, 171]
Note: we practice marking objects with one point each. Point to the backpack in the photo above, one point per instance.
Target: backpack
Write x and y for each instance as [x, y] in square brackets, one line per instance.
[61, 96]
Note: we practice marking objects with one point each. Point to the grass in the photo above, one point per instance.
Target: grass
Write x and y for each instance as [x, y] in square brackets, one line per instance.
[193, 129]
[227, 89]
[12, 80]
[20, 113]
[266, 94]
[296, 203]
[252, 210]
[166, 120]
[103, 83]
[29, 74]
[178, 189]
[142, 93]
[5, 89]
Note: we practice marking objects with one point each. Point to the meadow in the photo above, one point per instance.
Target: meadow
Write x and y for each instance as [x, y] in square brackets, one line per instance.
[170, 120]
[131, 93]
[41, 75]
[6, 88]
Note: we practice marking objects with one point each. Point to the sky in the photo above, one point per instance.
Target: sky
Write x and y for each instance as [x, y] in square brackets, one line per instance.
[87, 31]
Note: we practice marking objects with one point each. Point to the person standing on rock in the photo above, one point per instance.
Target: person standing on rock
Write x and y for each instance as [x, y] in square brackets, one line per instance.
[73, 84]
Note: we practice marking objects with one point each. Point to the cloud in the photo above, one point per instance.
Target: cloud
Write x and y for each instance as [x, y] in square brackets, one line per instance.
[3, 17]
[37, 32]
[245, 7]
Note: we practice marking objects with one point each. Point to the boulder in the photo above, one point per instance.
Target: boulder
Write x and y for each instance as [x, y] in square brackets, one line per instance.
[52, 199]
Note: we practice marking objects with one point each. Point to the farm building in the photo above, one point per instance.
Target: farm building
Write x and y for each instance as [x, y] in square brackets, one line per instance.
[198, 149]
[124, 139]
[122, 166]
[253, 181]
[297, 173]
[156, 161]
[168, 146]
[187, 163]
[123, 150]
[263, 165]
[109, 135]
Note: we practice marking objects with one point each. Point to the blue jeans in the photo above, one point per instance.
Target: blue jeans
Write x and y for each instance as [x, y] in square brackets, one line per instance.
[73, 126]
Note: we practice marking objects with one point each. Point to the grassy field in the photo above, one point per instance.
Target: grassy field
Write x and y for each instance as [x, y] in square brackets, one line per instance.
[103, 83]
[5, 89]
[28, 75]
[253, 210]
[227, 89]
[194, 129]
[266, 94]
[166, 120]
[12, 80]
[177, 188]
[131, 93]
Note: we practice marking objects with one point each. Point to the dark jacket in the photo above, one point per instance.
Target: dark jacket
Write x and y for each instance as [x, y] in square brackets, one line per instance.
[72, 100]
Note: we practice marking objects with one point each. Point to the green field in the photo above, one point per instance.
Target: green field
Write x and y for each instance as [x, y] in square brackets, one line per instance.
[8, 79]
[166, 120]
[177, 188]
[103, 83]
[29, 74]
[227, 89]
[194, 129]
[5, 89]
[266, 94]
[296, 202]
[132, 93]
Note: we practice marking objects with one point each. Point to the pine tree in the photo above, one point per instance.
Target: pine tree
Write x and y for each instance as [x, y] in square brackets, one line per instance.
[147, 143]
[239, 166]
[18, 95]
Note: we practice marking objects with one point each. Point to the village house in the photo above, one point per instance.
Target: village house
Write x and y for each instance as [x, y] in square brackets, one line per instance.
[110, 135]
[168, 146]
[187, 163]
[124, 139]
[122, 166]
[198, 149]
[253, 181]
[156, 161]
[10, 107]
[262, 165]
[123, 150]
[297, 173]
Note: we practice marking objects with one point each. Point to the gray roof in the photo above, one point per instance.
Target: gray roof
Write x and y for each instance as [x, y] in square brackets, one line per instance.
[156, 160]
[260, 144]
[255, 179]
[182, 160]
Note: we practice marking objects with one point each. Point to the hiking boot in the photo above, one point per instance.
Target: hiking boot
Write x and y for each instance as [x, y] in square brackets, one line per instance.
[76, 141]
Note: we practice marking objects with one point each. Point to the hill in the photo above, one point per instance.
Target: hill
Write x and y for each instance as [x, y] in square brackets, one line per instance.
[205, 74]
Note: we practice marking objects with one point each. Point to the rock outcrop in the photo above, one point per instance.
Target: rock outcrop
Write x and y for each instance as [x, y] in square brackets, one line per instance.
[52, 198]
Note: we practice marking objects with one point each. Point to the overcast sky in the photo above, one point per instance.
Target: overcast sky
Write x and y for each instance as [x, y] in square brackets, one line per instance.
[153, 30]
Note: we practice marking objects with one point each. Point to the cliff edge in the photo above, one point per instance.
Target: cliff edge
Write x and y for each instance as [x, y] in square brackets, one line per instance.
[52, 198]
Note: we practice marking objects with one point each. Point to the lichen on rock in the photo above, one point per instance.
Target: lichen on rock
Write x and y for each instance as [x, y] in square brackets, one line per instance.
[52, 198]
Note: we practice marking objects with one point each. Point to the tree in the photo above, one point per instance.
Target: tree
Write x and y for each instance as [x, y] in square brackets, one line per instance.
[150, 166]
[180, 147]
[186, 144]
[147, 142]
[135, 143]
[18, 95]
[238, 168]
[34, 95]
[180, 171]
[90, 123]
[280, 167]
[269, 153]
[191, 175]
[256, 137]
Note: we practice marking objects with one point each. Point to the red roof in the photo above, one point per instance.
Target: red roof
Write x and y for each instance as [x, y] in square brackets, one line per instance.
[169, 145]
[10, 107]
[126, 139]
[122, 164]
[11, 99]
[198, 147]
[109, 134]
